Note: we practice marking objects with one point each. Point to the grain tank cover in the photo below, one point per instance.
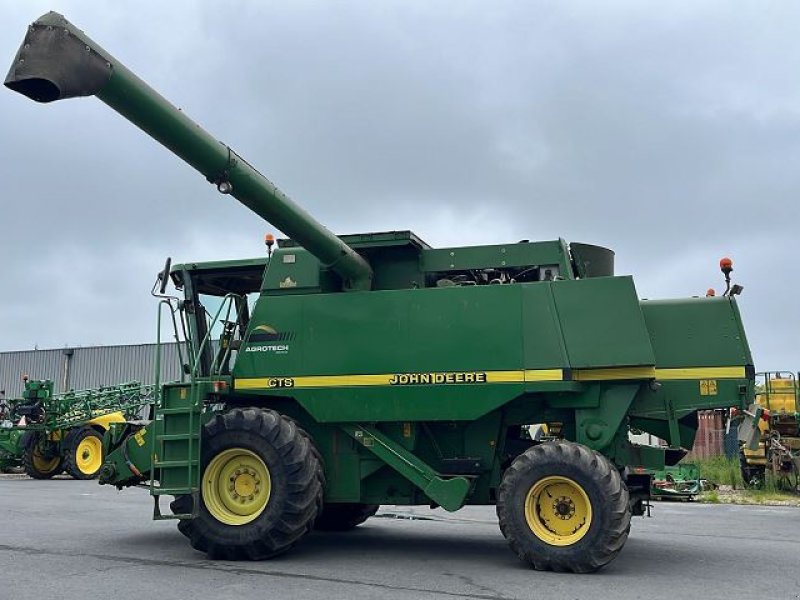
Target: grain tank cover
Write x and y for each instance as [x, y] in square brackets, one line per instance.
[591, 260]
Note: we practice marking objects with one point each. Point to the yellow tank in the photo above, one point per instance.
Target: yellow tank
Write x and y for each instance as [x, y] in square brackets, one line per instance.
[779, 448]
[780, 395]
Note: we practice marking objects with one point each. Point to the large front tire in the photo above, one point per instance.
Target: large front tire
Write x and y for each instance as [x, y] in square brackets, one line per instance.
[564, 507]
[261, 486]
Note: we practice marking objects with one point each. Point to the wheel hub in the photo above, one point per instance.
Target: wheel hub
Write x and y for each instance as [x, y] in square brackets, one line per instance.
[89, 455]
[558, 510]
[564, 507]
[236, 486]
[246, 484]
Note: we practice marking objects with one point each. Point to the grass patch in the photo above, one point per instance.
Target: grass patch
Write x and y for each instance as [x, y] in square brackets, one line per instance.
[724, 471]
[720, 470]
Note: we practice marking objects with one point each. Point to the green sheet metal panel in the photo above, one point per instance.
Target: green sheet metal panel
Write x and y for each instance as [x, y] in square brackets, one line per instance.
[292, 271]
[696, 332]
[423, 331]
[437, 329]
[602, 323]
[458, 402]
[499, 256]
[543, 344]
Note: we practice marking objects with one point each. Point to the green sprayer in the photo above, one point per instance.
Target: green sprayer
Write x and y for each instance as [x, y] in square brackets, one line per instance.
[374, 369]
[47, 433]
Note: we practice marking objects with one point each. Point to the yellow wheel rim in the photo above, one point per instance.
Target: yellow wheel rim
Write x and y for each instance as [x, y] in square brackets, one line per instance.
[42, 464]
[89, 455]
[236, 486]
[558, 511]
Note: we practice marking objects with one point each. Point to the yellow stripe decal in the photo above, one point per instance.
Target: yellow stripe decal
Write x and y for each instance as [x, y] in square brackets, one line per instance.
[401, 379]
[612, 374]
[544, 375]
[479, 377]
[702, 373]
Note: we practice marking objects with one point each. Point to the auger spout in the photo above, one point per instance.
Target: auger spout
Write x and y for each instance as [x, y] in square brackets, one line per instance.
[58, 61]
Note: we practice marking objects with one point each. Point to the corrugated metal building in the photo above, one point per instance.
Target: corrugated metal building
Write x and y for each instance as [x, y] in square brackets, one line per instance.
[81, 368]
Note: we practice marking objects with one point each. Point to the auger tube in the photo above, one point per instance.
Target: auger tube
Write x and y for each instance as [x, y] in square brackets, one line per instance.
[58, 61]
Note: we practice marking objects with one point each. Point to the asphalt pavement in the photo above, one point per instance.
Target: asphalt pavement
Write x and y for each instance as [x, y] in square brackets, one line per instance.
[75, 539]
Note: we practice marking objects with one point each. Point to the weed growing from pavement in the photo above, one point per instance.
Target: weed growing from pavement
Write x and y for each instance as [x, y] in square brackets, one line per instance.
[724, 471]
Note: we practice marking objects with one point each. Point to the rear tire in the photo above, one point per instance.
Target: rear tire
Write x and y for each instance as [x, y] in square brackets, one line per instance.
[83, 453]
[38, 462]
[344, 516]
[261, 487]
[564, 507]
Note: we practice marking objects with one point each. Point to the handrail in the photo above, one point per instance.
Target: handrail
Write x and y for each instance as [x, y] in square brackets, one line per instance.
[178, 343]
[771, 390]
[229, 301]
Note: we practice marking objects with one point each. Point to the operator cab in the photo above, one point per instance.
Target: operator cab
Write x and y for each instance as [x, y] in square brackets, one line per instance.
[215, 309]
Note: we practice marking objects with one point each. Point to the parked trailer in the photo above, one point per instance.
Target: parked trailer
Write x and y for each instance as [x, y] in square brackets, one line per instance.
[375, 369]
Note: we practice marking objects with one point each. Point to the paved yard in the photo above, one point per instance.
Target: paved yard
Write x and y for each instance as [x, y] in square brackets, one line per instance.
[76, 539]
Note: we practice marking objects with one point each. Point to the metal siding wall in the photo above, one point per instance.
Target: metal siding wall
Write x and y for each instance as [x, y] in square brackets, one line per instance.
[13, 365]
[710, 435]
[89, 367]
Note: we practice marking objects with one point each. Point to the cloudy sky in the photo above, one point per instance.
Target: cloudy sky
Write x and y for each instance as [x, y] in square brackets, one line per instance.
[669, 132]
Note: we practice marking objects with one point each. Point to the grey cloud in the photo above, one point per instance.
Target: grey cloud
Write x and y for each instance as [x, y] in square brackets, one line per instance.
[667, 132]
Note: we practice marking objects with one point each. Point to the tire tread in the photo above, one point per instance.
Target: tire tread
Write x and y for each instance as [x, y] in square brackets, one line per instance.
[615, 507]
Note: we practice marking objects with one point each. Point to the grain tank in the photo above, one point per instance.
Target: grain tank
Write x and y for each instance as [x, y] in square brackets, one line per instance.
[375, 369]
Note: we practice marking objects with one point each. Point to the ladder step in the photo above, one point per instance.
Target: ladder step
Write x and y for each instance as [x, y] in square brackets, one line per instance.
[178, 411]
[179, 472]
[172, 517]
[178, 436]
[167, 464]
[172, 491]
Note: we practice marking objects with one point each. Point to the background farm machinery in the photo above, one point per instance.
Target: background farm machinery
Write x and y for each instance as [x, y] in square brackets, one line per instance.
[776, 459]
[678, 482]
[47, 433]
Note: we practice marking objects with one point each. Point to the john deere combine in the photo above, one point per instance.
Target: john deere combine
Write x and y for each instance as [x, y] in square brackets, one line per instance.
[777, 455]
[374, 369]
[49, 433]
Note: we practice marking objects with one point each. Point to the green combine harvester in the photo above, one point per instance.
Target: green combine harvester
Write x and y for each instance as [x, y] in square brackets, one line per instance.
[47, 433]
[374, 369]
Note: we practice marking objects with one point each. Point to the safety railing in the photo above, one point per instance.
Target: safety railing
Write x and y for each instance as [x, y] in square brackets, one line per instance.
[230, 306]
[779, 390]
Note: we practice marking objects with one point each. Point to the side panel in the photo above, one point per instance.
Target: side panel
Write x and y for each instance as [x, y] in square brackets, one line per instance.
[696, 332]
[348, 357]
[702, 362]
[602, 323]
[543, 342]
[439, 353]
